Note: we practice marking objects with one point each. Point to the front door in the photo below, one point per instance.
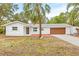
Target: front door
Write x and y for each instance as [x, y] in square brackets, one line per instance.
[27, 30]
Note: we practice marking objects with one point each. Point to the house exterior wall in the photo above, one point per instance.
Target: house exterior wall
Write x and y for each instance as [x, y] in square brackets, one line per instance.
[68, 30]
[22, 32]
[47, 30]
[44, 31]
[73, 30]
[19, 32]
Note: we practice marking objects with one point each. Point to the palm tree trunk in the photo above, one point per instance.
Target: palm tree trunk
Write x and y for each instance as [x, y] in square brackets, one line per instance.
[40, 28]
[73, 21]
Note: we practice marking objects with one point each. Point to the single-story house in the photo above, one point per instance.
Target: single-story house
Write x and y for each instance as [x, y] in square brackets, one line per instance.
[18, 28]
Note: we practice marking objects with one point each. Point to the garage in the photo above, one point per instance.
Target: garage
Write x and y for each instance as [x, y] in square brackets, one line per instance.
[57, 30]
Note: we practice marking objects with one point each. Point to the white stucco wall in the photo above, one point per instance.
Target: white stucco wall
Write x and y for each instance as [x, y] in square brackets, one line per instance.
[19, 32]
[68, 30]
[73, 30]
[45, 30]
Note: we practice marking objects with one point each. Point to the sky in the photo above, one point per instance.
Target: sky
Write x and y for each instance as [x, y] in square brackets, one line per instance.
[56, 9]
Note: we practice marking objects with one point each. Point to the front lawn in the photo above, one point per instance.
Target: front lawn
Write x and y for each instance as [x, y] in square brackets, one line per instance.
[36, 47]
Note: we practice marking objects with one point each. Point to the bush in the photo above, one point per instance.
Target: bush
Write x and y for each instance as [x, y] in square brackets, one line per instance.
[1, 30]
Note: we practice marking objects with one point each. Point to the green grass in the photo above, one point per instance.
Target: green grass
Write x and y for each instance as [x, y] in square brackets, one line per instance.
[28, 46]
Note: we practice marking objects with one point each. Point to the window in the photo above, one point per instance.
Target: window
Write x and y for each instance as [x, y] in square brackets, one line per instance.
[14, 28]
[35, 29]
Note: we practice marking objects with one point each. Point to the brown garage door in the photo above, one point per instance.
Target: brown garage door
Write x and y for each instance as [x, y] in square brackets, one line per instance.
[57, 30]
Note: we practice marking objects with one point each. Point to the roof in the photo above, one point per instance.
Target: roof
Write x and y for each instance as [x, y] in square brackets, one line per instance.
[13, 23]
[36, 25]
[52, 25]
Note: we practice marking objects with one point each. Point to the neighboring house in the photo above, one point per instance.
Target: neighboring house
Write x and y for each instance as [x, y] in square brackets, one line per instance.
[18, 28]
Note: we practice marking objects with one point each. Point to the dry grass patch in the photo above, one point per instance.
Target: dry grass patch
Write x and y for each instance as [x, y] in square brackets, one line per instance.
[34, 46]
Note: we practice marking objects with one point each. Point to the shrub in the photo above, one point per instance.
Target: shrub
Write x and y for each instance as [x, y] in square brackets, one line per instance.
[1, 30]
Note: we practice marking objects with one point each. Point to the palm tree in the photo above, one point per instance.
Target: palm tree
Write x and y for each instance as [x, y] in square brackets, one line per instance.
[19, 17]
[72, 11]
[7, 10]
[36, 12]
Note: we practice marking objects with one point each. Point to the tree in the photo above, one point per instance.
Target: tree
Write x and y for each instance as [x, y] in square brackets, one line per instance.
[73, 11]
[36, 12]
[20, 17]
[58, 19]
[7, 10]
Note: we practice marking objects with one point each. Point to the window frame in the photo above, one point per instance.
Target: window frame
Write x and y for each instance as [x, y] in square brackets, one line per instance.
[35, 29]
[14, 28]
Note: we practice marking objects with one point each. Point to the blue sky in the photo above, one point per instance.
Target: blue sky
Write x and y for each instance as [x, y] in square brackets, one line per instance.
[56, 9]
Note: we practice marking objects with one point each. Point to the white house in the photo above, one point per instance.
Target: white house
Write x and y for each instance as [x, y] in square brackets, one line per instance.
[18, 28]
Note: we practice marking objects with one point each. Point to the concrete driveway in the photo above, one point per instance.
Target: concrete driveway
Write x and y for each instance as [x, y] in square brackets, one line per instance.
[71, 39]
